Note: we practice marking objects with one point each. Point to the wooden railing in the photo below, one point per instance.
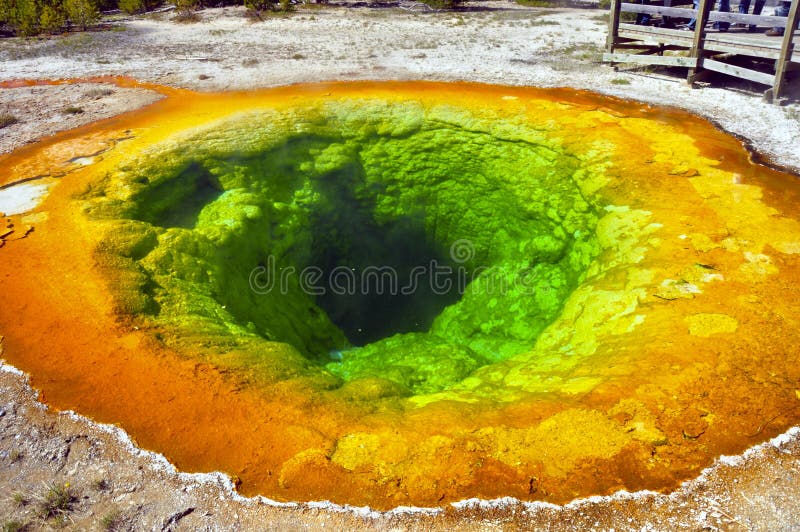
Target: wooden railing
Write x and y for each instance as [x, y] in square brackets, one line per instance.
[701, 52]
[713, 16]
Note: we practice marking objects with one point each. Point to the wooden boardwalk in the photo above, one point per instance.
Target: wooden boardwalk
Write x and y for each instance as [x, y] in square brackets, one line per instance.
[704, 49]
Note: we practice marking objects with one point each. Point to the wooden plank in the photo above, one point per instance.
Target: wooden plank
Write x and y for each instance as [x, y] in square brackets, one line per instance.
[744, 40]
[655, 31]
[680, 12]
[786, 53]
[636, 45]
[650, 48]
[739, 72]
[660, 60]
[714, 16]
[740, 49]
[686, 42]
[755, 45]
[613, 26]
[740, 18]
[698, 40]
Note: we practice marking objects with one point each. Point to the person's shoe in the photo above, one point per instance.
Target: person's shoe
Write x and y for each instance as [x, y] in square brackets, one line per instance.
[722, 29]
[752, 28]
[774, 33]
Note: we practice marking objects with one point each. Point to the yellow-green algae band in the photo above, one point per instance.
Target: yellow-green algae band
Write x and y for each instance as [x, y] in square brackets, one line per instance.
[361, 183]
[643, 323]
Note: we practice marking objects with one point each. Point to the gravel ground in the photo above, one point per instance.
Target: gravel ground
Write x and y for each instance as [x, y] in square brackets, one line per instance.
[112, 484]
[44, 110]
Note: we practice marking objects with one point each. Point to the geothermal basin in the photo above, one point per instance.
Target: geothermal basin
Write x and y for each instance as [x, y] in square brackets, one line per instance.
[409, 293]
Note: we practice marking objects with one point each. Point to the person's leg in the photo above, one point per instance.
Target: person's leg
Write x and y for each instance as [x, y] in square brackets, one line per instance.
[643, 19]
[691, 24]
[757, 9]
[781, 10]
[744, 7]
[725, 7]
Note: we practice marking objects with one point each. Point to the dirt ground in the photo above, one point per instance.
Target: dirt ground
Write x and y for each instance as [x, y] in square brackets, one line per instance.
[114, 485]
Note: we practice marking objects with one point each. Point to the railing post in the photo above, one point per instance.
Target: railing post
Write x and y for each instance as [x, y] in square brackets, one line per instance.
[698, 44]
[786, 53]
[613, 25]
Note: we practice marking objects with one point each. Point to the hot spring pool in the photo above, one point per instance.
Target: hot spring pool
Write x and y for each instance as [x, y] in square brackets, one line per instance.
[410, 293]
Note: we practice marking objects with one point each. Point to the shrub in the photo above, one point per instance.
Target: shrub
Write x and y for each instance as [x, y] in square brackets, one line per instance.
[52, 19]
[186, 10]
[187, 16]
[186, 5]
[256, 7]
[6, 119]
[25, 17]
[56, 502]
[136, 6]
[443, 4]
[101, 484]
[19, 498]
[14, 526]
[5, 11]
[259, 5]
[82, 13]
[111, 521]
[98, 92]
